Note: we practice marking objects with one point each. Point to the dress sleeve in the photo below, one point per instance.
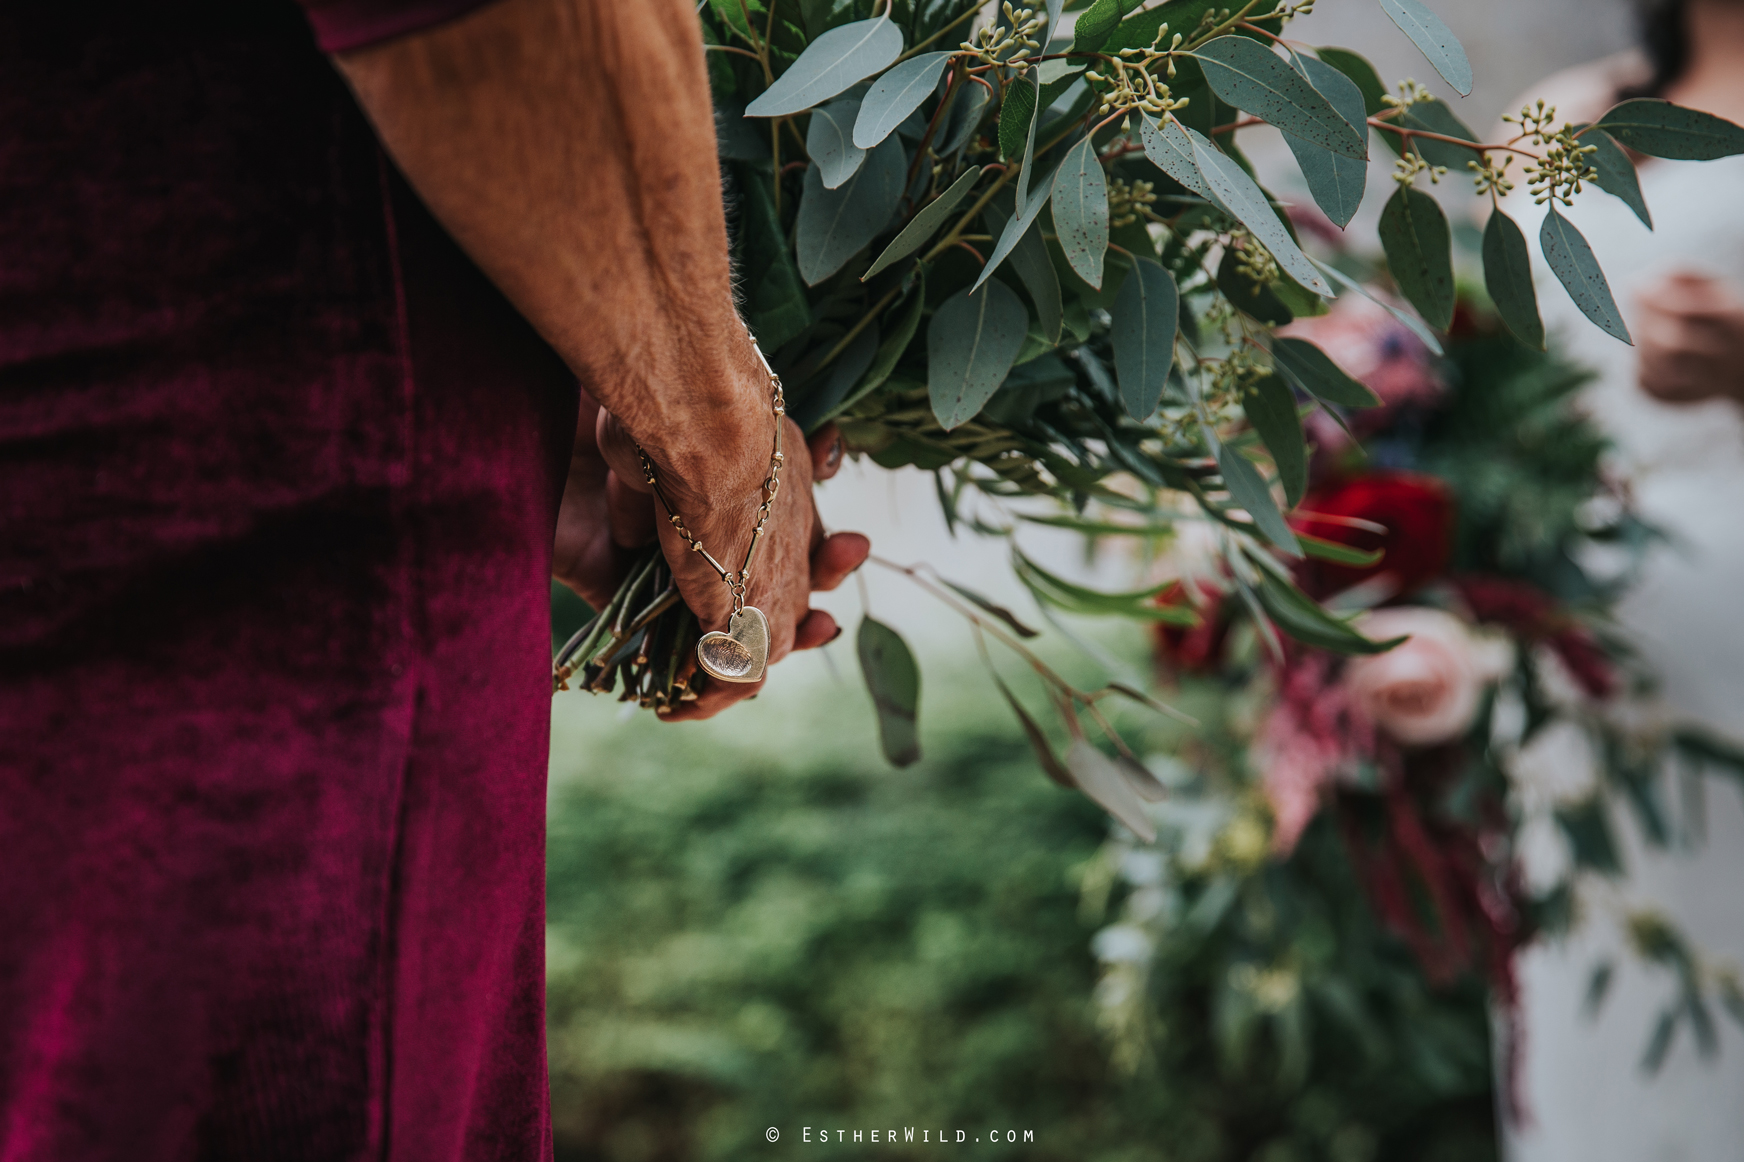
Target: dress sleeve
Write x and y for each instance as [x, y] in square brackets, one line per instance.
[347, 24]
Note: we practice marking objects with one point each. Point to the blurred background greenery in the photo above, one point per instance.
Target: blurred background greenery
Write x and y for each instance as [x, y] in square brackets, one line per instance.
[755, 922]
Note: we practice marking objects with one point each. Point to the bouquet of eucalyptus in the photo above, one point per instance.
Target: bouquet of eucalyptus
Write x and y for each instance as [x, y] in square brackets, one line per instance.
[1034, 261]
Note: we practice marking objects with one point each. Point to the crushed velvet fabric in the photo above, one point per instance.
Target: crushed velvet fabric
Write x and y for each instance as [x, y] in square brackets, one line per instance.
[278, 475]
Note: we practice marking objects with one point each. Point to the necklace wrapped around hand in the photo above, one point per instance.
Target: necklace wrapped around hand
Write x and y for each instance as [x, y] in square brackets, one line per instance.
[742, 652]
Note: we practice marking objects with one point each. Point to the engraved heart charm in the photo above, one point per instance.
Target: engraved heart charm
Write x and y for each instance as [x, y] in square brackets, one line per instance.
[740, 654]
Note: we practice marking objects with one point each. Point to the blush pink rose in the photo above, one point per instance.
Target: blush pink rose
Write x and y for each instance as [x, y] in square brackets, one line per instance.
[1426, 690]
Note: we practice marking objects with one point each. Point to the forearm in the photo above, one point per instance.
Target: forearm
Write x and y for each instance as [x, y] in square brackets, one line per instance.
[568, 146]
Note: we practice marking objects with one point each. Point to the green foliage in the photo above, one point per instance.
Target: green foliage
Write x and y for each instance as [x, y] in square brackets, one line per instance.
[1312, 370]
[1143, 322]
[830, 142]
[1420, 253]
[1521, 460]
[830, 64]
[1436, 41]
[1661, 129]
[1508, 278]
[893, 678]
[896, 95]
[1080, 193]
[1251, 77]
[1615, 173]
[1271, 408]
[1336, 180]
[970, 348]
[1571, 260]
[742, 939]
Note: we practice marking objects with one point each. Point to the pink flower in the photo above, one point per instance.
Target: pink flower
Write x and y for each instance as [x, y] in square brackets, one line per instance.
[1311, 736]
[1426, 690]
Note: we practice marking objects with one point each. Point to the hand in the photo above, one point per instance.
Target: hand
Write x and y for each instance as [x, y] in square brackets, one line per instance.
[794, 559]
[601, 523]
[1690, 339]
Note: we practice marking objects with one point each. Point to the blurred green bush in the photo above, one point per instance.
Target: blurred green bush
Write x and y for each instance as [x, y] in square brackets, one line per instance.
[755, 923]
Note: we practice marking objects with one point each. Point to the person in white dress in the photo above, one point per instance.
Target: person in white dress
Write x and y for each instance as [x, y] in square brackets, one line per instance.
[1673, 405]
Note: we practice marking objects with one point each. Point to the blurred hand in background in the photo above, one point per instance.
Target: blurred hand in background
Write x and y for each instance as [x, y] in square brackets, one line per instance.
[1689, 332]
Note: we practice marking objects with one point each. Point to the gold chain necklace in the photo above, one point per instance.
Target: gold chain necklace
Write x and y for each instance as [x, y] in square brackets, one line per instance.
[741, 653]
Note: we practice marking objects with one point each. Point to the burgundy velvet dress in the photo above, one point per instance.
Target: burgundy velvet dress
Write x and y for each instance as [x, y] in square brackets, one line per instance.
[278, 476]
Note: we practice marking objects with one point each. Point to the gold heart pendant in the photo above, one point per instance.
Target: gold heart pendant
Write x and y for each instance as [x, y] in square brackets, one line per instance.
[740, 654]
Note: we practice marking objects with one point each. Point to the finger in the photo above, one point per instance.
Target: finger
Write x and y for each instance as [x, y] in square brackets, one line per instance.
[630, 514]
[619, 451]
[826, 452]
[838, 556]
[818, 628]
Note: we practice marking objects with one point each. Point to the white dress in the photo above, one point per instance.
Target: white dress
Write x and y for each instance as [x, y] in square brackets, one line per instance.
[1588, 1099]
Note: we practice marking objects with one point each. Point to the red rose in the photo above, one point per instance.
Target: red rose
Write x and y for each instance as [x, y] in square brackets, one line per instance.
[1415, 511]
[1197, 650]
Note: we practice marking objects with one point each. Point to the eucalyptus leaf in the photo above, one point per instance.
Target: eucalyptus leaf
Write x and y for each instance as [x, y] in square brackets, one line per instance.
[1098, 777]
[1251, 77]
[839, 381]
[1017, 116]
[894, 343]
[1014, 232]
[1150, 788]
[1419, 249]
[830, 143]
[1171, 150]
[1271, 409]
[1038, 740]
[1080, 194]
[1030, 259]
[1411, 322]
[895, 95]
[971, 343]
[893, 680]
[1028, 171]
[1433, 116]
[1361, 72]
[989, 606]
[1247, 203]
[1313, 370]
[925, 224]
[1139, 30]
[1325, 550]
[1095, 25]
[1248, 489]
[1435, 40]
[830, 64]
[833, 225]
[1052, 589]
[1661, 129]
[1336, 182]
[1508, 278]
[1146, 313]
[1616, 173]
[1303, 619]
[1573, 263]
[963, 119]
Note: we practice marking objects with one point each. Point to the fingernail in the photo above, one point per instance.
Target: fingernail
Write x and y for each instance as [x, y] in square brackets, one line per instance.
[834, 459]
[835, 635]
